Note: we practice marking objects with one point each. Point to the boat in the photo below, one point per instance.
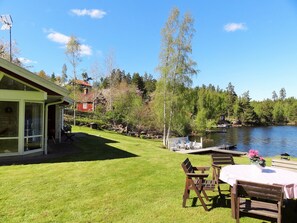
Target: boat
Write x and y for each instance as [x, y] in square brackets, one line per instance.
[220, 130]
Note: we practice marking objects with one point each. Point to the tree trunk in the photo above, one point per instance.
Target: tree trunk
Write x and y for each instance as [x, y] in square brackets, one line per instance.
[164, 115]
[169, 126]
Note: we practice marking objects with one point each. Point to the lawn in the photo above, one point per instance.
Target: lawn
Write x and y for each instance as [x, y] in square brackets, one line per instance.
[112, 178]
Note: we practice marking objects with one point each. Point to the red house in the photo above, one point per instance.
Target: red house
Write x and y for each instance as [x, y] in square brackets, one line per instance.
[83, 84]
[88, 100]
[85, 101]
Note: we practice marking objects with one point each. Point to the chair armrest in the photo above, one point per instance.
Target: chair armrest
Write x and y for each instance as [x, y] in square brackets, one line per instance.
[201, 168]
[199, 175]
[216, 166]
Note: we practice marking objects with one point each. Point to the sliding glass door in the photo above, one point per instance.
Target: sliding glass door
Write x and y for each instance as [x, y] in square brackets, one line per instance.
[33, 126]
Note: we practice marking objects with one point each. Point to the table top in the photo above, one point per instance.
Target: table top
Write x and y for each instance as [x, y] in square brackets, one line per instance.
[268, 175]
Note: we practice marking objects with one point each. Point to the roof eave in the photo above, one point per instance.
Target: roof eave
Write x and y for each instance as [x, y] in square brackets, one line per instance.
[33, 77]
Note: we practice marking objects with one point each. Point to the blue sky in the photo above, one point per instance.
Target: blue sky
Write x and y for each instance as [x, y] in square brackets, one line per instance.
[250, 43]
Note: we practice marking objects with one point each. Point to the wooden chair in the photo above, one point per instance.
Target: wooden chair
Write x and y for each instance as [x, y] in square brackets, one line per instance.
[197, 182]
[285, 164]
[258, 199]
[219, 160]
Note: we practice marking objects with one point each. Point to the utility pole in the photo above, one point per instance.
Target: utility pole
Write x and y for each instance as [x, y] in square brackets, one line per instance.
[7, 24]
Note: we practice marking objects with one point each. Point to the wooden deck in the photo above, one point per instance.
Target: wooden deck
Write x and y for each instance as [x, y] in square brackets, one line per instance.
[214, 149]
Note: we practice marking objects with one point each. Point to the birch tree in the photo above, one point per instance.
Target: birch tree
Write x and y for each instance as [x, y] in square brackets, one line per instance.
[64, 75]
[176, 67]
[73, 53]
[110, 66]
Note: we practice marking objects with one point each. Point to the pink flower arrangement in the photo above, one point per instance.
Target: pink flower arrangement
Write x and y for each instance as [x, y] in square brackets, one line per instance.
[256, 158]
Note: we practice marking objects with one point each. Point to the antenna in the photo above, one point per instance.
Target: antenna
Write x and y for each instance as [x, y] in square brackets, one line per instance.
[7, 24]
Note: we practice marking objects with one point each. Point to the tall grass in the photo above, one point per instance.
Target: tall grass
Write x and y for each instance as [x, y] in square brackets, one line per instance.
[112, 178]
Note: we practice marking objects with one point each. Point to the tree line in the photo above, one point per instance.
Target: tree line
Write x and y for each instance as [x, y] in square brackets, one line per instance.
[140, 108]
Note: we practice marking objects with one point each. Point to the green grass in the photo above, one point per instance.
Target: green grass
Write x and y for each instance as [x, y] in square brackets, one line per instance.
[113, 178]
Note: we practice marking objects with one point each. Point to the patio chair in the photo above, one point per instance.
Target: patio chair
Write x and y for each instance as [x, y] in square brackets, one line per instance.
[197, 182]
[257, 199]
[182, 145]
[219, 160]
[197, 145]
[66, 131]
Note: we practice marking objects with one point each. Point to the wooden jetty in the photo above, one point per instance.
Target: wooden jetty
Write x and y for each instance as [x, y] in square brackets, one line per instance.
[214, 149]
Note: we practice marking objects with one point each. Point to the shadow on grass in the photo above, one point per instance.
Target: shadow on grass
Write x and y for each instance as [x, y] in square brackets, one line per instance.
[214, 202]
[84, 147]
[223, 201]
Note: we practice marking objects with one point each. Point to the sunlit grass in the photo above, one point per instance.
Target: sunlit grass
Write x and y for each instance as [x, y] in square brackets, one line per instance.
[114, 178]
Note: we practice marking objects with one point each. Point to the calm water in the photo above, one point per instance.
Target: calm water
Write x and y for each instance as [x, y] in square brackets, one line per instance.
[270, 141]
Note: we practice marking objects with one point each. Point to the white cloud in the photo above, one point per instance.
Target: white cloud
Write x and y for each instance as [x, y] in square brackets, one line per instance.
[26, 61]
[85, 50]
[93, 13]
[232, 27]
[60, 38]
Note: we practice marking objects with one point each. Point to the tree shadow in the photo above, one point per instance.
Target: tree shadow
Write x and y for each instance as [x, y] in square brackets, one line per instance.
[84, 147]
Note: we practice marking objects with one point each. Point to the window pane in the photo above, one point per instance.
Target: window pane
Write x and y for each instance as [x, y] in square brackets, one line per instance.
[31, 143]
[9, 119]
[8, 83]
[33, 119]
[8, 145]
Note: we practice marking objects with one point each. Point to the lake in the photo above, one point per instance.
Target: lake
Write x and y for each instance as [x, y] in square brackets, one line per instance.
[269, 141]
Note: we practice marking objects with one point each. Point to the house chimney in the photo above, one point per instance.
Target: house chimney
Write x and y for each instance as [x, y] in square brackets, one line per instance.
[85, 90]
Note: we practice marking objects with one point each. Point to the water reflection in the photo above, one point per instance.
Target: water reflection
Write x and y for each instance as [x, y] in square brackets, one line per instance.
[270, 141]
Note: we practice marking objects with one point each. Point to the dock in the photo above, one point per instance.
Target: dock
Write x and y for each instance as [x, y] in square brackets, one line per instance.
[214, 149]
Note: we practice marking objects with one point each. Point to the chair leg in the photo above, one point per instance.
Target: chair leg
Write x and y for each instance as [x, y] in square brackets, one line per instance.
[201, 198]
[186, 194]
[205, 195]
[219, 190]
[185, 197]
[53, 138]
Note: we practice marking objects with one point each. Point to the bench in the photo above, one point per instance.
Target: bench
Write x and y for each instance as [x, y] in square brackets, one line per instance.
[285, 164]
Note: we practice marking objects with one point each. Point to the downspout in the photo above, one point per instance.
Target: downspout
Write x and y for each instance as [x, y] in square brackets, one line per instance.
[46, 123]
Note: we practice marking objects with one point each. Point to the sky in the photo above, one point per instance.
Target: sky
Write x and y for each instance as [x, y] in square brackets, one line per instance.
[250, 43]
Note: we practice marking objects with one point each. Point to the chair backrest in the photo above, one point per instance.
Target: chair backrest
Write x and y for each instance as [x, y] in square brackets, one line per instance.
[222, 159]
[272, 193]
[187, 166]
[285, 164]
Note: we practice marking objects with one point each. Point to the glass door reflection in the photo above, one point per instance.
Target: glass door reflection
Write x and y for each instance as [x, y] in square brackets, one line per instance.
[33, 126]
